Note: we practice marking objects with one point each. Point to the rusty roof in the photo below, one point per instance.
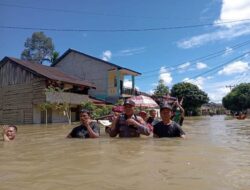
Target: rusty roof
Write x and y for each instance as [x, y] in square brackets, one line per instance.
[48, 72]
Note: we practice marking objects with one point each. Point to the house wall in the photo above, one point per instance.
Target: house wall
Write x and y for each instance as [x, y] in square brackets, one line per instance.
[112, 89]
[89, 69]
[19, 89]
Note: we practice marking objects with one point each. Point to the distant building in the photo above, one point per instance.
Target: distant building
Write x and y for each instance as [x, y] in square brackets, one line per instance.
[22, 90]
[212, 108]
[107, 77]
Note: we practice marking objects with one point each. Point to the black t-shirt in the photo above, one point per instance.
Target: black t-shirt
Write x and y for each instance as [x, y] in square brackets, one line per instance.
[82, 131]
[171, 130]
[150, 120]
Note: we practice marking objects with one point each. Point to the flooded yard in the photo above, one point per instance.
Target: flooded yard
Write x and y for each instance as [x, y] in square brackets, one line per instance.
[215, 156]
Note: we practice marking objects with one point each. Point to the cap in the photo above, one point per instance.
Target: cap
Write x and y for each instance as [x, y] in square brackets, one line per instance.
[129, 102]
[142, 113]
[85, 111]
[166, 106]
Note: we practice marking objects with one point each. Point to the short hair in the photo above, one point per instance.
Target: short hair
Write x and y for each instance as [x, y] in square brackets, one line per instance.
[85, 111]
[15, 127]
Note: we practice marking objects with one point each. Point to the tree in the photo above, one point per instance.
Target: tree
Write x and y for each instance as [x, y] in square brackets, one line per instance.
[192, 96]
[38, 48]
[161, 89]
[96, 111]
[54, 57]
[238, 99]
[44, 107]
[63, 100]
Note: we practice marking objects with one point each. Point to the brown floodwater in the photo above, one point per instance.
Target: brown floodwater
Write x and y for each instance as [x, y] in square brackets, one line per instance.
[215, 156]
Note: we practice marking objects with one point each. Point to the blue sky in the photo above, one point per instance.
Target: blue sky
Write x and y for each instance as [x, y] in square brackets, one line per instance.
[175, 50]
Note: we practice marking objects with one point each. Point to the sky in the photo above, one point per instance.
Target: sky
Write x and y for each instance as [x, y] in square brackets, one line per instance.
[204, 42]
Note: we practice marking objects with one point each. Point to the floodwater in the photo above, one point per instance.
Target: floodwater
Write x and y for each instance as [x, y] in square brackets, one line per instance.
[215, 156]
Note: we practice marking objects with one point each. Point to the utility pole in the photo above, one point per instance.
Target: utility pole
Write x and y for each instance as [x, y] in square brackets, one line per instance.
[230, 86]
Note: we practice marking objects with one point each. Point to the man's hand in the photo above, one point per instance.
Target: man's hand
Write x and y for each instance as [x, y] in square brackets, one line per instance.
[5, 128]
[132, 122]
[87, 122]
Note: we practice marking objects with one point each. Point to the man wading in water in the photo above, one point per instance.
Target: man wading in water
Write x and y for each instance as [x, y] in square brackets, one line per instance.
[87, 129]
[167, 127]
[9, 132]
[128, 124]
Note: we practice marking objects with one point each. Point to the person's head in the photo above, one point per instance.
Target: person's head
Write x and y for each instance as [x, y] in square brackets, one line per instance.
[166, 111]
[152, 113]
[143, 115]
[116, 114]
[129, 107]
[11, 132]
[84, 115]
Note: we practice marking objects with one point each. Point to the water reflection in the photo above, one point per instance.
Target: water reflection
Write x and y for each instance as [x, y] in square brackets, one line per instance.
[214, 156]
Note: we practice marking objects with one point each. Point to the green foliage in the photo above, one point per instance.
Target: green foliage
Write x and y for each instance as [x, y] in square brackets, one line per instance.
[38, 48]
[161, 89]
[238, 99]
[119, 102]
[193, 97]
[55, 56]
[45, 106]
[88, 106]
[62, 104]
[96, 111]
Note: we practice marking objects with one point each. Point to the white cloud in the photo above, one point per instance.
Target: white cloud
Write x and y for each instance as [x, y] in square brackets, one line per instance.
[234, 10]
[199, 81]
[201, 65]
[128, 84]
[233, 68]
[230, 11]
[106, 55]
[217, 90]
[228, 51]
[184, 66]
[151, 92]
[223, 34]
[130, 51]
[165, 75]
[217, 94]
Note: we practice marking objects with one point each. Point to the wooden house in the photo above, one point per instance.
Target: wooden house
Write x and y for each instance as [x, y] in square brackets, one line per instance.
[22, 91]
[107, 77]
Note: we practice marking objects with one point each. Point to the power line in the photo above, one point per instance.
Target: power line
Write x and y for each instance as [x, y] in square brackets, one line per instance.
[206, 57]
[219, 66]
[203, 58]
[83, 12]
[123, 30]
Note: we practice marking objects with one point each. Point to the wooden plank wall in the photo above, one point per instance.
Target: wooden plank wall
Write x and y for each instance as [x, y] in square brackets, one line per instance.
[18, 96]
[12, 73]
[17, 104]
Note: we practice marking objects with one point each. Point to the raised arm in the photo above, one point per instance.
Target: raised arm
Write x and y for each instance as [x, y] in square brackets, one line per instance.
[4, 133]
[93, 132]
[113, 130]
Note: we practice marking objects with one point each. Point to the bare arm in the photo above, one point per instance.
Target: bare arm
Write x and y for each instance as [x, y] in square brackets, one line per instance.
[183, 136]
[113, 131]
[140, 124]
[92, 133]
[5, 137]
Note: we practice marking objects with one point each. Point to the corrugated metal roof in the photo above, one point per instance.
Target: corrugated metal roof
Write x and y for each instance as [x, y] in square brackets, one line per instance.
[49, 72]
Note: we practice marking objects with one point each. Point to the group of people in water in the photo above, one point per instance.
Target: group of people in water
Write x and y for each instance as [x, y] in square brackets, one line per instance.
[126, 124]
